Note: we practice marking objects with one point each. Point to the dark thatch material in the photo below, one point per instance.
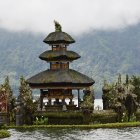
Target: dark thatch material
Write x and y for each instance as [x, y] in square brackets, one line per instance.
[59, 55]
[58, 37]
[60, 77]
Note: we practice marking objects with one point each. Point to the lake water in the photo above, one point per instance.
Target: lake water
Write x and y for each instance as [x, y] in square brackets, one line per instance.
[98, 103]
[76, 134]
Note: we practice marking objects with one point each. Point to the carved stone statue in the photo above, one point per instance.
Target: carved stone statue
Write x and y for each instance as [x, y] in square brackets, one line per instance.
[88, 100]
[58, 27]
[105, 90]
[131, 103]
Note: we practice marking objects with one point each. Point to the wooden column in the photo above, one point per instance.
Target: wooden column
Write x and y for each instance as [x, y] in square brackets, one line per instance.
[70, 102]
[41, 99]
[78, 98]
[63, 102]
[49, 101]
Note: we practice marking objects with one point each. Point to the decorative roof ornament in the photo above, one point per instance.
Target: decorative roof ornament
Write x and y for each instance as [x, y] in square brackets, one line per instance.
[58, 27]
[58, 36]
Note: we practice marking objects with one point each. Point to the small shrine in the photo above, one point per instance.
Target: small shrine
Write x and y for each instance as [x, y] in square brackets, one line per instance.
[58, 82]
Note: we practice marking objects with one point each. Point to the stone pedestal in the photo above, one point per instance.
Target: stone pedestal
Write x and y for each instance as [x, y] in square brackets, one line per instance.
[19, 119]
[4, 119]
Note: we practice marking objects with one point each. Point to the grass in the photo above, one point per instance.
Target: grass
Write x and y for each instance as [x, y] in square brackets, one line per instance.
[4, 133]
[92, 126]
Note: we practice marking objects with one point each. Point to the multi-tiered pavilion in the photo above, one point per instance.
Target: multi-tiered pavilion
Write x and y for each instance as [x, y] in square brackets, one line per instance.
[58, 82]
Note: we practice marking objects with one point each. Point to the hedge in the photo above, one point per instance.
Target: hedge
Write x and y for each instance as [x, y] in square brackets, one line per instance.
[59, 114]
[104, 116]
[62, 117]
[4, 133]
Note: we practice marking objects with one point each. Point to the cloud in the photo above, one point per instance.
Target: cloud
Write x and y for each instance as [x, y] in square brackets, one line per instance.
[75, 16]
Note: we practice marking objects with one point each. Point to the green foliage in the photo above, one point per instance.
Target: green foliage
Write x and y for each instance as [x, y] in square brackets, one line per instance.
[25, 96]
[25, 91]
[122, 98]
[8, 89]
[62, 117]
[41, 121]
[107, 116]
[88, 100]
[28, 107]
[136, 83]
[4, 133]
[124, 117]
[60, 114]
[132, 118]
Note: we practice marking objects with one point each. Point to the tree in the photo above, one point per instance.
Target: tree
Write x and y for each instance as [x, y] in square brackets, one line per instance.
[136, 83]
[88, 100]
[26, 99]
[25, 93]
[122, 97]
[8, 89]
[10, 98]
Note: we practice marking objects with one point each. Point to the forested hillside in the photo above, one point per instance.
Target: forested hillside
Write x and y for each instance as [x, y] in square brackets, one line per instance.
[104, 54]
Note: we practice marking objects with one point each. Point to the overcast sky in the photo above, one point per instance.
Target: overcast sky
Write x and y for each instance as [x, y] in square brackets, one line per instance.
[75, 16]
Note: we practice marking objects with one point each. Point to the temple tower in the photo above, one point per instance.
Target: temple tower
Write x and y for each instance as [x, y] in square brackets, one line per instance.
[59, 81]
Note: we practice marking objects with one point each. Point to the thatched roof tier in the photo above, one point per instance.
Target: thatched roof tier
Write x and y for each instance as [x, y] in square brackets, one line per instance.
[65, 78]
[58, 37]
[59, 55]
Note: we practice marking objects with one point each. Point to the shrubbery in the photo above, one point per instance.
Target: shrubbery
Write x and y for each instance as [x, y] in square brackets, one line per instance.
[4, 133]
[60, 118]
[41, 121]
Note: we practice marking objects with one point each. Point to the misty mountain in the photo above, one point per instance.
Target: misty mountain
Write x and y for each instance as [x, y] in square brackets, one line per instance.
[104, 54]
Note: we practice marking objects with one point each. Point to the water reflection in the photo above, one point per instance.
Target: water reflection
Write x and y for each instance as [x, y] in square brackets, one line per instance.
[76, 134]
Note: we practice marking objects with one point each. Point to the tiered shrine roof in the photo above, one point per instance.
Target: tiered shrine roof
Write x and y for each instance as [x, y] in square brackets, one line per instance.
[58, 37]
[59, 74]
[60, 55]
[67, 77]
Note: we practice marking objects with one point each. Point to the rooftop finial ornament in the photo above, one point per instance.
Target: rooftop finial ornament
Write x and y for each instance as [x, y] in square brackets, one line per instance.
[58, 27]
